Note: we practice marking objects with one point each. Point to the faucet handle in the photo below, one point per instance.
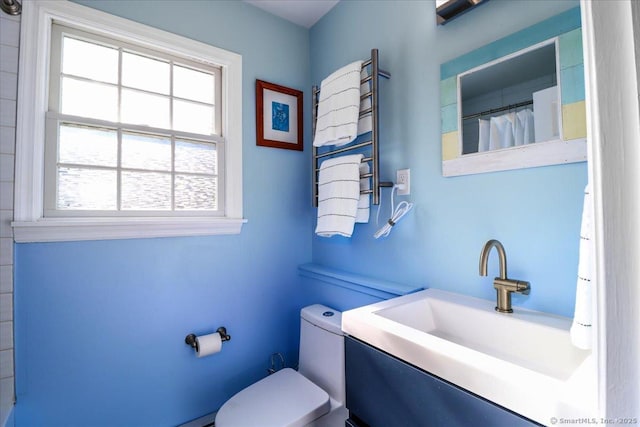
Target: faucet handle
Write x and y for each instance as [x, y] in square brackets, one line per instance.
[523, 287]
[504, 288]
[512, 285]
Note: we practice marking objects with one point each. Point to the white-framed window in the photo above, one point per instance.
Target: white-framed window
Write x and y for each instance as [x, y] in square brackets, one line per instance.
[124, 131]
[130, 131]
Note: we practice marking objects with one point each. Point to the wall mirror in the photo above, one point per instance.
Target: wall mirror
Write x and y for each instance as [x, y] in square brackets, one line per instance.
[497, 101]
[516, 103]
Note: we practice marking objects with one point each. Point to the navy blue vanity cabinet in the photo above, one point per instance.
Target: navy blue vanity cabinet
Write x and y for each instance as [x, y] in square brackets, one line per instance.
[387, 392]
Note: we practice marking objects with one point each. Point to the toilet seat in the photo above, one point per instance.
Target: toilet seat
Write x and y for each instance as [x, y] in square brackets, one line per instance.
[284, 399]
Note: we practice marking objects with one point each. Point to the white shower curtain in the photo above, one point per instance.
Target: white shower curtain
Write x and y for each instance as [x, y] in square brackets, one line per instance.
[506, 130]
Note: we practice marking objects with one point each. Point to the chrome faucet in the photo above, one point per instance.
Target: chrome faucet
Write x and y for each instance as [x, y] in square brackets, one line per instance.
[504, 286]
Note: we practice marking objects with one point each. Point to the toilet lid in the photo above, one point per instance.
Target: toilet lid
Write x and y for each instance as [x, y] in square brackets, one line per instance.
[284, 399]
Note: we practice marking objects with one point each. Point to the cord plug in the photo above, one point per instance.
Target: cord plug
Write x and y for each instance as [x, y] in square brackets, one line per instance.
[397, 212]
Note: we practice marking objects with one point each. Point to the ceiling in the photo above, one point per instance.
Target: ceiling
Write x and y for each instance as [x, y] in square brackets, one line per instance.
[301, 12]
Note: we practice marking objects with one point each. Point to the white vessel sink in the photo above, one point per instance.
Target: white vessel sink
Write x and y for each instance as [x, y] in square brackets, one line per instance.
[523, 361]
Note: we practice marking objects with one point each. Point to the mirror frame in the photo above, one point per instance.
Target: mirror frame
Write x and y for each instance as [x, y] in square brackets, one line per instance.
[570, 148]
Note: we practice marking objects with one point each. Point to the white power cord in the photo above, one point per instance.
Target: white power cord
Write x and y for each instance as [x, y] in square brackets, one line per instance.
[397, 212]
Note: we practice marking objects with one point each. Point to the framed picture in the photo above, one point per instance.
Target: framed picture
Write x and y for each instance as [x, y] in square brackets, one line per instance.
[278, 116]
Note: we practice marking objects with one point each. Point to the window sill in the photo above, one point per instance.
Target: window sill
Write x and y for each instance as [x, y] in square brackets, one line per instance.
[73, 229]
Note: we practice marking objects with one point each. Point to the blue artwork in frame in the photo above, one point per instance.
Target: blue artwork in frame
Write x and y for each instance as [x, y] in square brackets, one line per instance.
[279, 116]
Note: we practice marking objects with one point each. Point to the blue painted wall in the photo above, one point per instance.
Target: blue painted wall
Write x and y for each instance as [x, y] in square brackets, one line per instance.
[100, 326]
[534, 212]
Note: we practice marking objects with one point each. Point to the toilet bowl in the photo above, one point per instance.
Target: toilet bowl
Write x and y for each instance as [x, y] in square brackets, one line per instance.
[291, 398]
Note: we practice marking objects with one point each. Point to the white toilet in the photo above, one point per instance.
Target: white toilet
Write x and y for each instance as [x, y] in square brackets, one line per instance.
[292, 398]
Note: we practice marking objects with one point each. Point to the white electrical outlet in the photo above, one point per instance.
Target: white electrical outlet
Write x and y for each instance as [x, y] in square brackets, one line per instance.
[403, 176]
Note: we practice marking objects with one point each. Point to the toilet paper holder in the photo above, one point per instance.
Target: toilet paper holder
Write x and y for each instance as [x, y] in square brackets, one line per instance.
[191, 338]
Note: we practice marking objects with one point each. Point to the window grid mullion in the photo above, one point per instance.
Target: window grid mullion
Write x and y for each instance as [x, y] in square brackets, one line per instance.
[119, 172]
[173, 173]
[121, 86]
[87, 80]
[129, 127]
[119, 156]
[130, 169]
[89, 167]
[173, 139]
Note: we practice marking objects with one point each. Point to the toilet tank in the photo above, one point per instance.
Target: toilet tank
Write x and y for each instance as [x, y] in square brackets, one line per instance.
[322, 350]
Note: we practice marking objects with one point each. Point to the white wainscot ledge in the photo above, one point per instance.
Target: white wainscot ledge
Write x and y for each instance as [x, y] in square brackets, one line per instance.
[74, 229]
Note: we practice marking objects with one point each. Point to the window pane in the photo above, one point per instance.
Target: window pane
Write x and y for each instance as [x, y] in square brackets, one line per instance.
[145, 73]
[89, 60]
[144, 109]
[196, 157]
[192, 84]
[87, 189]
[194, 118]
[88, 99]
[196, 192]
[146, 152]
[88, 146]
[146, 191]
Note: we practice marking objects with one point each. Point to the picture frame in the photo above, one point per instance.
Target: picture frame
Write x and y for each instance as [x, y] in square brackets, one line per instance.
[278, 116]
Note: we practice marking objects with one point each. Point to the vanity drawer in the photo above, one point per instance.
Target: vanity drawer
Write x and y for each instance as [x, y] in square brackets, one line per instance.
[385, 391]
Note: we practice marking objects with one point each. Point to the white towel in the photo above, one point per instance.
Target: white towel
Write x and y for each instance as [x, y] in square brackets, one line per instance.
[365, 123]
[365, 199]
[581, 331]
[339, 107]
[338, 195]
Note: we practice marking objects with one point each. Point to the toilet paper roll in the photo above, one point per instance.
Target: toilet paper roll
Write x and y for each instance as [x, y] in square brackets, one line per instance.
[208, 344]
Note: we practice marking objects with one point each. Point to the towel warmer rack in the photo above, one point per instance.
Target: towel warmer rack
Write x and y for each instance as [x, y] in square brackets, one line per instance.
[373, 157]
